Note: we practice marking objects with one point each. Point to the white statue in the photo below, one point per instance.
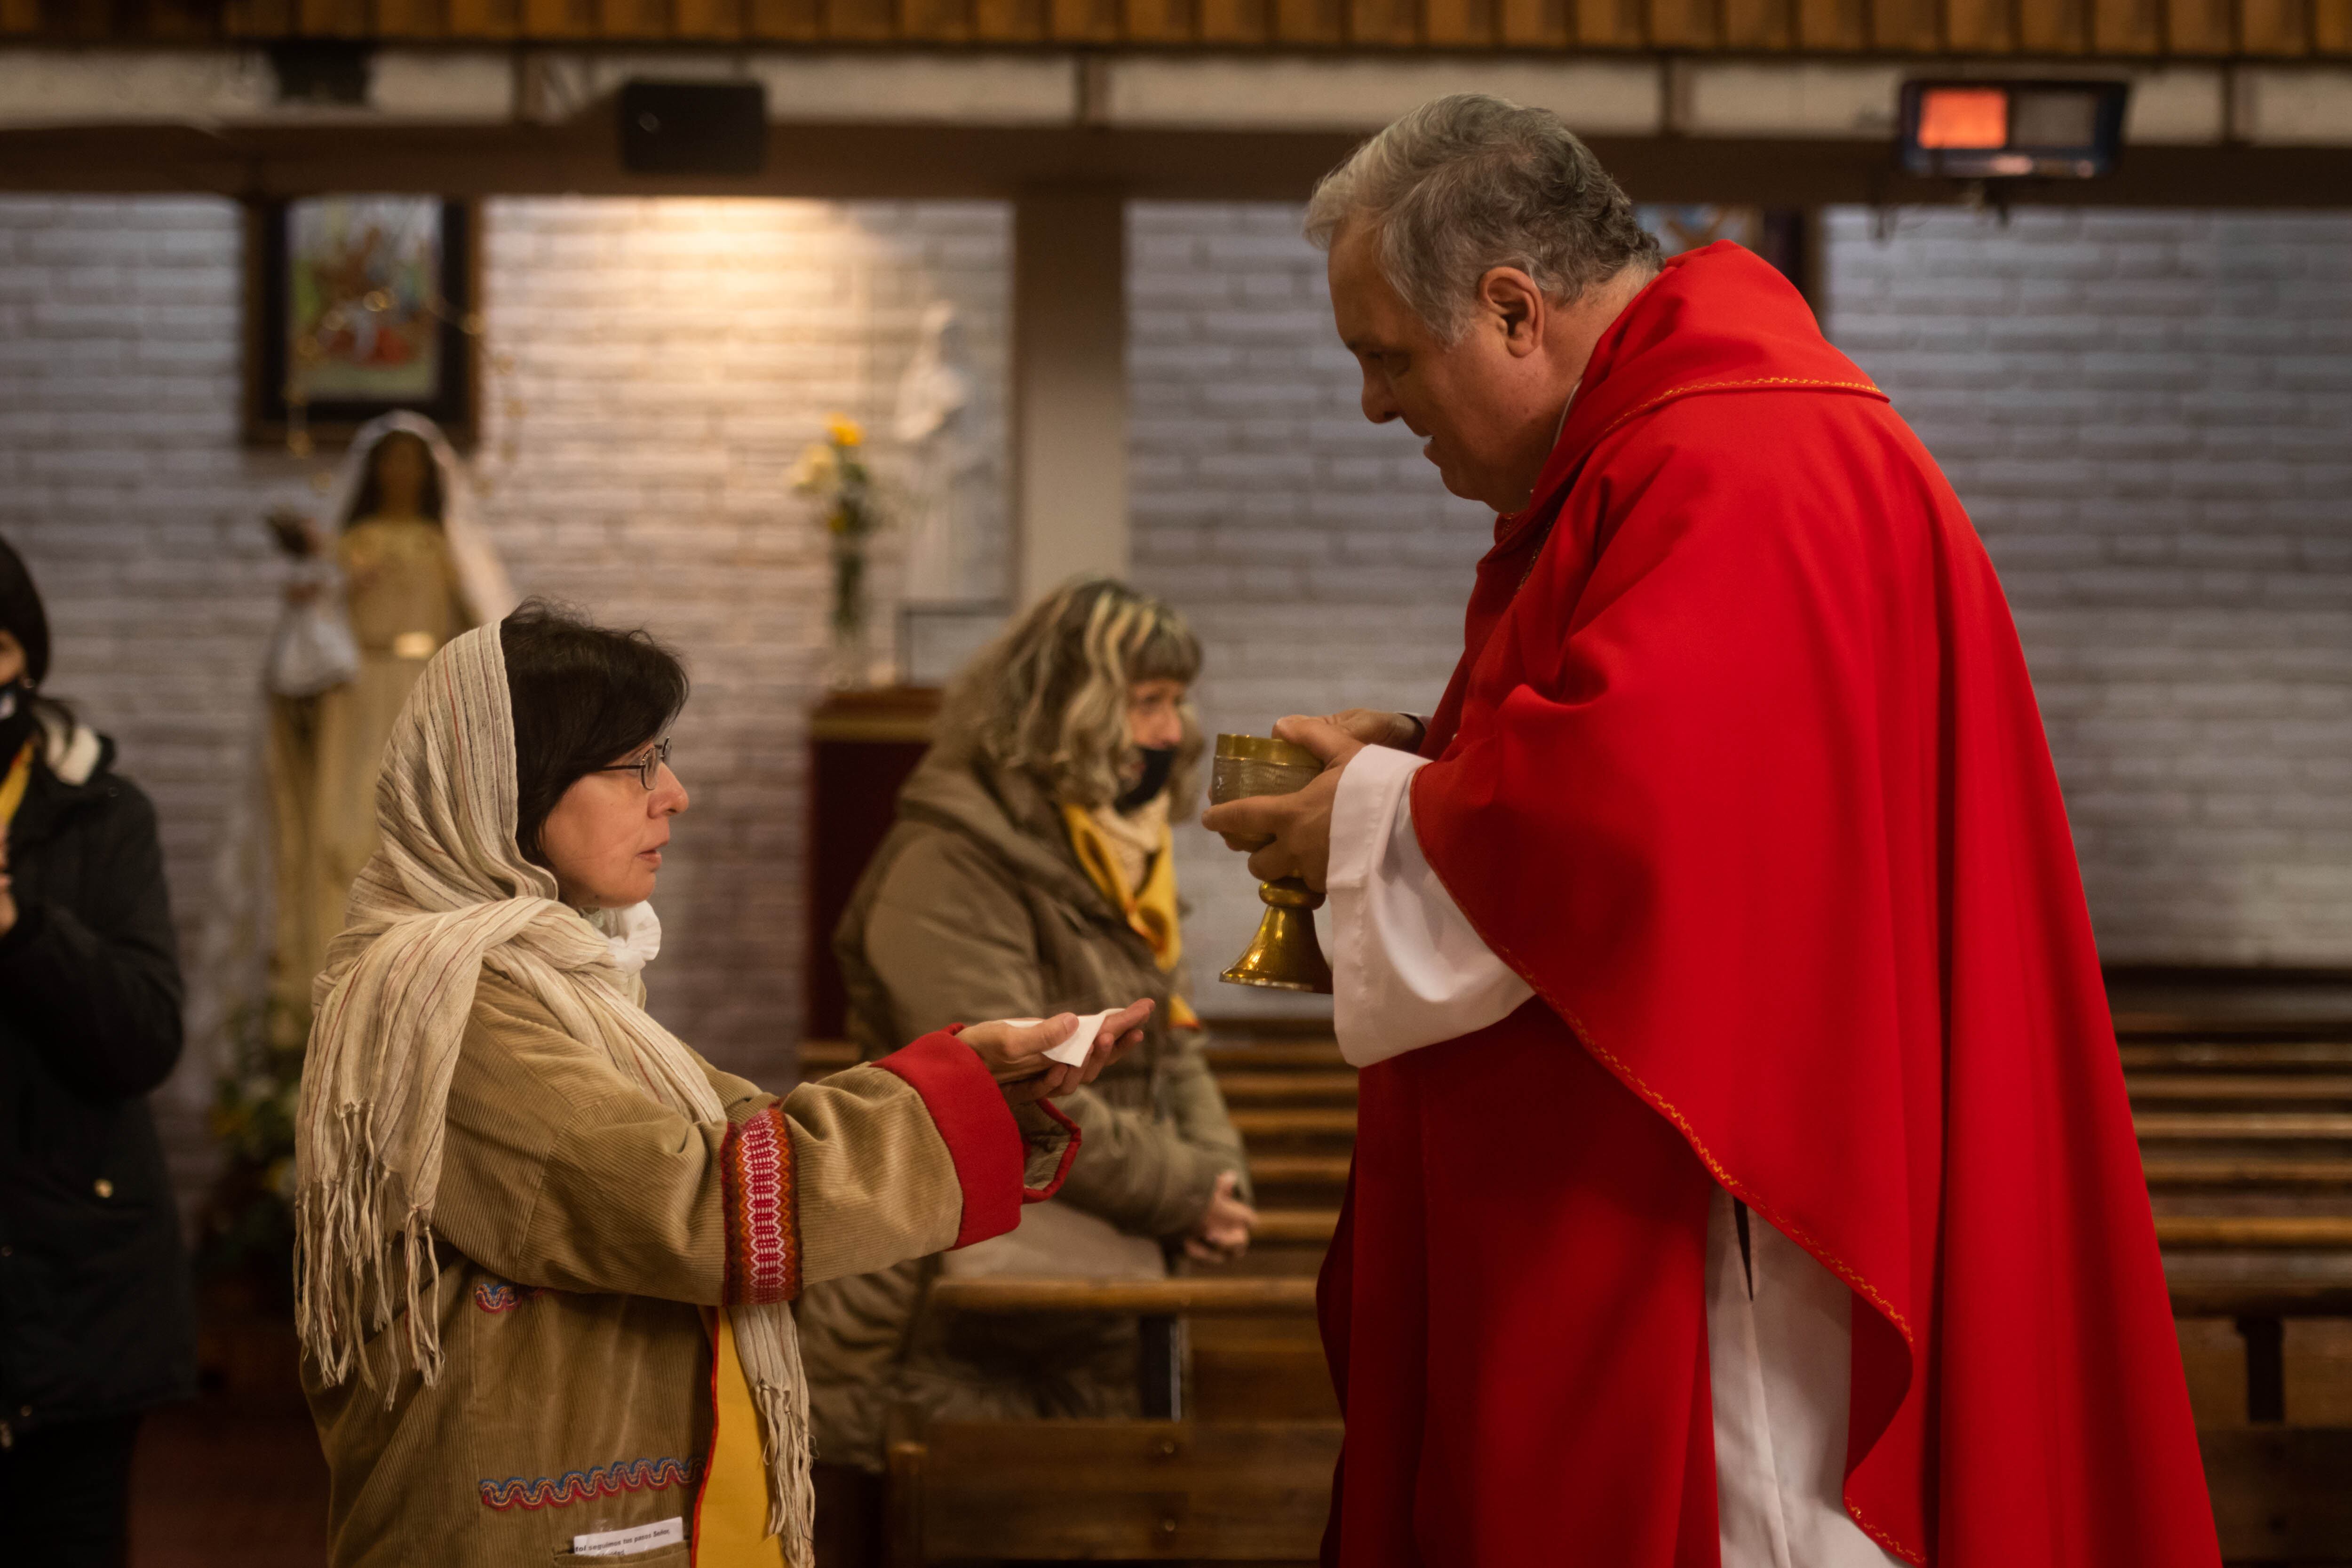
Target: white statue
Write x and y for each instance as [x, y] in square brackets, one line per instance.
[399, 567]
[933, 421]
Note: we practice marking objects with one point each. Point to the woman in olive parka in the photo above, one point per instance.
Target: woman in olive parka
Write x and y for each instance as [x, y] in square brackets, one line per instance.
[1031, 872]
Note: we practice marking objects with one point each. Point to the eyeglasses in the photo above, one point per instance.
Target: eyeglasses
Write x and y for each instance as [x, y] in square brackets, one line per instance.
[648, 768]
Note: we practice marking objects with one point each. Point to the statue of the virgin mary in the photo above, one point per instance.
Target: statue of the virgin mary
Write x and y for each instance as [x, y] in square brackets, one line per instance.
[399, 568]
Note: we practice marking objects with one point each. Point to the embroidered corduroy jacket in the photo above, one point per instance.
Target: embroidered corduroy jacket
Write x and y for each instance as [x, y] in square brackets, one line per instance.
[583, 1233]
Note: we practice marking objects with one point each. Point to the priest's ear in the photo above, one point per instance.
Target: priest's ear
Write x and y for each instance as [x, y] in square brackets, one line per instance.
[1513, 305]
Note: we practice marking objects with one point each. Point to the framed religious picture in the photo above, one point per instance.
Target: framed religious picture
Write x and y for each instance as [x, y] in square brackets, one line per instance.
[1782, 236]
[357, 305]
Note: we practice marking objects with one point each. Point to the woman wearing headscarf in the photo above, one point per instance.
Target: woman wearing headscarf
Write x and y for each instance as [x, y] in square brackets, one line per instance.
[96, 1323]
[546, 1253]
[402, 567]
[1032, 868]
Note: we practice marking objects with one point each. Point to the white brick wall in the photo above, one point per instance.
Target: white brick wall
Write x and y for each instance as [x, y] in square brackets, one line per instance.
[666, 361]
[2148, 415]
[1316, 555]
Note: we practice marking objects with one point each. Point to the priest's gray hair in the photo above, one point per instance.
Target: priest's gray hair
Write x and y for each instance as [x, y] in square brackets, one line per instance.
[1049, 695]
[1469, 183]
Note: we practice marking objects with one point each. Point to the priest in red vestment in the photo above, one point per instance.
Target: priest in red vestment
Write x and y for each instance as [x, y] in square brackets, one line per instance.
[1744, 1174]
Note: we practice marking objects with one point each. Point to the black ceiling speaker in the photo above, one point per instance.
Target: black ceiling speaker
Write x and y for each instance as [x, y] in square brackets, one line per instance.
[694, 127]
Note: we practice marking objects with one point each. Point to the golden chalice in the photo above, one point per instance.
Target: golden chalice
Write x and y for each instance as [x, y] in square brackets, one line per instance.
[1283, 954]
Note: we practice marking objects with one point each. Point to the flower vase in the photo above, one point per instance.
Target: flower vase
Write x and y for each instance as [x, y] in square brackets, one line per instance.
[853, 663]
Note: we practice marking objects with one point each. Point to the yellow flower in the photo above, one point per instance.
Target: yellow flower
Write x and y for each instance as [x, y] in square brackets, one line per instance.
[845, 431]
[818, 471]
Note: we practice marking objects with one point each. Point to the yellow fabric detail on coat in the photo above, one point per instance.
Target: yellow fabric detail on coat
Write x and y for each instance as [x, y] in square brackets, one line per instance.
[731, 1527]
[1152, 913]
[12, 788]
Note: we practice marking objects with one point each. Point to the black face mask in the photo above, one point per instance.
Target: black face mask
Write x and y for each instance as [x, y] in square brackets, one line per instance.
[16, 719]
[1158, 763]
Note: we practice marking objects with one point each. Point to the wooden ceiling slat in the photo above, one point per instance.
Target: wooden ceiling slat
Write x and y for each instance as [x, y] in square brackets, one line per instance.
[633, 20]
[1384, 24]
[1462, 23]
[1309, 21]
[558, 20]
[2331, 26]
[1162, 21]
[1685, 24]
[1008, 21]
[1540, 24]
[711, 19]
[2127, 26]
[1832, 25]
[485, 18]
[176, 21]
[2053, 26]
[332, 19]
[2116, 29]
[1233, 21]
[1906, 26]
[790, 21]
[412, 19]
[2198, 26]
[1609, 24]
[2273, 27]
[1981, 26]
[1769, 24]
[257, 18]
[858, 21]
[934, 21]
[1083, 21]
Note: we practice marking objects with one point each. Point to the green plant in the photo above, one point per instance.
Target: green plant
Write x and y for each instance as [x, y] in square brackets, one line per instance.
[248, 1226]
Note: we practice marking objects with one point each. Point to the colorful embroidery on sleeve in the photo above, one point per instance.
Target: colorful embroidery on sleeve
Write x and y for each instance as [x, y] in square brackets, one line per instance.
[763, 1235]
[582, 1486]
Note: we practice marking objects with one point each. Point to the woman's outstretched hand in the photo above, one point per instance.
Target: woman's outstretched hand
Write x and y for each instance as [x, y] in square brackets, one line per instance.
[1015, 1053]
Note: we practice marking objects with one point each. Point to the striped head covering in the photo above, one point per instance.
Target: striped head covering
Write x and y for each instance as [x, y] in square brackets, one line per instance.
[448, 894]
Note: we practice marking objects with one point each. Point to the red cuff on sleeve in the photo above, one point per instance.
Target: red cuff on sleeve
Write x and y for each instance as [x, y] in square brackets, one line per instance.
[1069, 1152]
[763, 1222]
[970, 1112]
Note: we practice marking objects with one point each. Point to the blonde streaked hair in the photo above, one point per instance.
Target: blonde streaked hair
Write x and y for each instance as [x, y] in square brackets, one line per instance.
[1049, 695]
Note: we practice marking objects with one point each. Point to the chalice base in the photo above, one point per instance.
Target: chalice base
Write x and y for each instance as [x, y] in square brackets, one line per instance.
[1284, 954]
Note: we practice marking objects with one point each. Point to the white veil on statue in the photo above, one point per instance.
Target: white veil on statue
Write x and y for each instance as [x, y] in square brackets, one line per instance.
[312, 647]
[481, 576]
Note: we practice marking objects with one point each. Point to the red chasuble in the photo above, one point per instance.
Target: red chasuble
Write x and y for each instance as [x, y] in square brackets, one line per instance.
[1742, 772]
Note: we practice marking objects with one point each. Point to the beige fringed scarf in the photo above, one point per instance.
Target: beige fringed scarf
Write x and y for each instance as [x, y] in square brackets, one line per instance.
[446, 894]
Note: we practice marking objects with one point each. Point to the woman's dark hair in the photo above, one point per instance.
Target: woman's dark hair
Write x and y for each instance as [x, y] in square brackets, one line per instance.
[584, 696]
[370, 499]
[21, 615]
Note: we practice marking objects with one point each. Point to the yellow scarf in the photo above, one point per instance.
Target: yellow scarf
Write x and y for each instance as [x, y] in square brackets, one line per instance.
[12, 788]
[730, 1517]
[1150, 913]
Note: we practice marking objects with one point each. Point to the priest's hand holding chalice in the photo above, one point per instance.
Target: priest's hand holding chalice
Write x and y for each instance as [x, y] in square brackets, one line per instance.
[1273, 799]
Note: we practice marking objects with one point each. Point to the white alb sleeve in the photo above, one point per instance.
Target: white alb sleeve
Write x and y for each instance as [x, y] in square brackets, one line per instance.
[1407, 968]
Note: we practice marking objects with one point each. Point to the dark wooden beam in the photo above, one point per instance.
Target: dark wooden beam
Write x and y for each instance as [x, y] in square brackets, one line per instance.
[917, 162]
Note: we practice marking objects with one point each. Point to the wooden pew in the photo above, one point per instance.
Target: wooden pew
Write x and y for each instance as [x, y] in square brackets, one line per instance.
[1108, 1490]
[2246, 1135]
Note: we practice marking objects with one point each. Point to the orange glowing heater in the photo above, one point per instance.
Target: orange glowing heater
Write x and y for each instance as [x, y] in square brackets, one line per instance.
[1971, 117]
[2012, 129]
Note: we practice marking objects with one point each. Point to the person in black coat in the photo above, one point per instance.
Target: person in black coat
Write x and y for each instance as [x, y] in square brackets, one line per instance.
[96, 1316]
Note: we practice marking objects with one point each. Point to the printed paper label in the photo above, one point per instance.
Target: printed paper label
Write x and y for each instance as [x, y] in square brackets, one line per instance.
[635, 1538]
